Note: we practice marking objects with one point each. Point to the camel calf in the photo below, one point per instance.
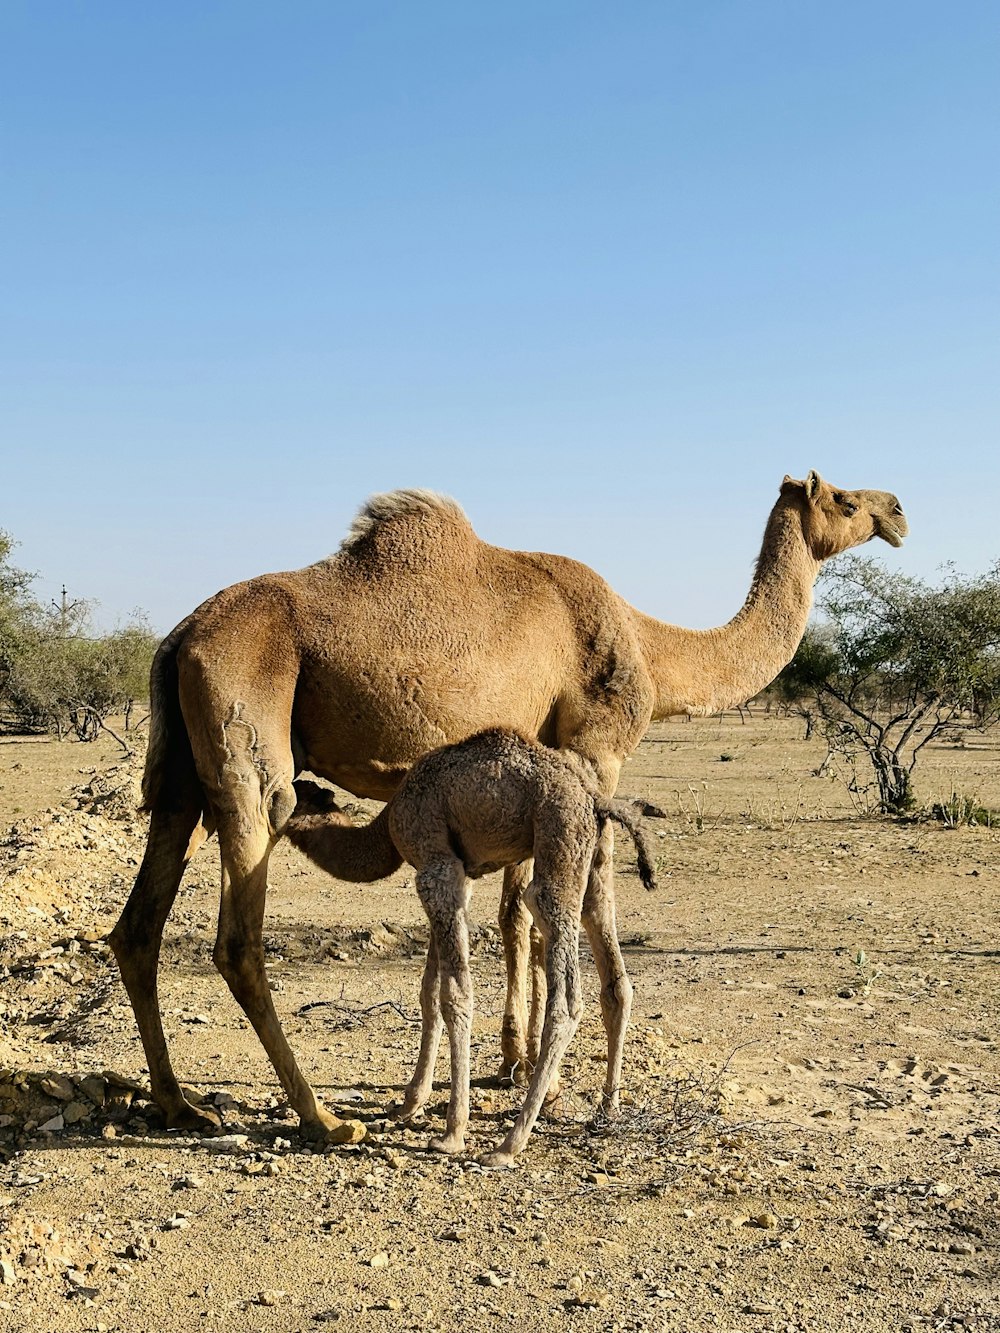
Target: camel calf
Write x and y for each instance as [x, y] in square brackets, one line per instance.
[466, 810]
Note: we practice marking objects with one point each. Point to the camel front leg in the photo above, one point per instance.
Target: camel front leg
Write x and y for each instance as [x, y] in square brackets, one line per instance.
[616, 988]
[515, 928]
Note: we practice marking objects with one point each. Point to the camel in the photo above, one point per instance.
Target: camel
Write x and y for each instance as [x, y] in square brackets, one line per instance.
[416, 634]
[461, 812]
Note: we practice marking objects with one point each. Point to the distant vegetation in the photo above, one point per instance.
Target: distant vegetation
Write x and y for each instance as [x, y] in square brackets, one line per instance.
[894, 663]
[56, 674]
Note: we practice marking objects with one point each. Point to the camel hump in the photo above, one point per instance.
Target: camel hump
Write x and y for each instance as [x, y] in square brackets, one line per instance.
[380, 511]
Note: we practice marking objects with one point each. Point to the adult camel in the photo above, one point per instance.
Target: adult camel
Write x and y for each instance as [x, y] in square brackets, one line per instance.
[414, 635]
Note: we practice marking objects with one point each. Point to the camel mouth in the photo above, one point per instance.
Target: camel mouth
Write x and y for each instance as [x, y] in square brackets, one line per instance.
[888, 532]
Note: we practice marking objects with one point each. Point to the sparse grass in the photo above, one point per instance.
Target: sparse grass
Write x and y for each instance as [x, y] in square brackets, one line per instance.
[962, 809]
[774, 812]
[692, 807]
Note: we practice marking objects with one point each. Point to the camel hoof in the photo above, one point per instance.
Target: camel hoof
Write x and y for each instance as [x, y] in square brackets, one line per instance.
[405, 1110]
[201, 1120]
[497, 1160]
[447, 1143]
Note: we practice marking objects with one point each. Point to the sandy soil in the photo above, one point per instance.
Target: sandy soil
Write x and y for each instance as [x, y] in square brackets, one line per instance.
[809, 1141]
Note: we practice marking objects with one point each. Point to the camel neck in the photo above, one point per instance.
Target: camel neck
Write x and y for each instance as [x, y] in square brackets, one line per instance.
[704, 671]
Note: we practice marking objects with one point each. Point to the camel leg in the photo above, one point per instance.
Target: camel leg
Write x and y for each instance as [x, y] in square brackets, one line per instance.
[616, 989]
[419, 1087]
[239, 956]
[559, 925]
[515, 925]
[174, 836]
[538, 987]
[444, 894]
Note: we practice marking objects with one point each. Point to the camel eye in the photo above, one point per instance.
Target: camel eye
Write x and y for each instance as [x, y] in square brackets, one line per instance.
[850, 509]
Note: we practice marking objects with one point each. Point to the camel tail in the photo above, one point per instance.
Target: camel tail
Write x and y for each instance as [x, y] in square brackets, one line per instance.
[357, 853]
[626, 815]
[170, 780]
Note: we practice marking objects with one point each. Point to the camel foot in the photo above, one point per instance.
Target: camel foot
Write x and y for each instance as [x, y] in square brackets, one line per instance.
[198, 1118]
[552, 1095]
[409, 1107]
[330, 1129]
[497, 1160]
[447, 1143]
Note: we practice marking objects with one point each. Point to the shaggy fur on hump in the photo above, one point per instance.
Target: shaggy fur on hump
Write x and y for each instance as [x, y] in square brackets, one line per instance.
[379, 508]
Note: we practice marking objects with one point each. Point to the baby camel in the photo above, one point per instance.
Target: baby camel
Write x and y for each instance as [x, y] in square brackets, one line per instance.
[466, 810]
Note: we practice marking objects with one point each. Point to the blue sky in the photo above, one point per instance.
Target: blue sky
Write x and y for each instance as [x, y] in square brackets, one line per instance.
[602, 272]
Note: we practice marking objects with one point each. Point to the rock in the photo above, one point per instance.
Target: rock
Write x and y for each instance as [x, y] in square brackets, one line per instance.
[225, 1143]
[349, 1131]
[7, 1275]
[379, 1260]
[767, 1221]
[58, 1087]
[52, 1126]
[75, 1111]
[270, 1296]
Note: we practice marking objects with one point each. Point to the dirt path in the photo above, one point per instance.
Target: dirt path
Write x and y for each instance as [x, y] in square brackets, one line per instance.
[810, 1142]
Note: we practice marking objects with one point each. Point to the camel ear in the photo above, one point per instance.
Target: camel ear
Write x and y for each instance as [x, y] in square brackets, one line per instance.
[791, 484]
[813, 483]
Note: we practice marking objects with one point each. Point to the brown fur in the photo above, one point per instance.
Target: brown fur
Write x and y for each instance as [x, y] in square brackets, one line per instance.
[416, 634]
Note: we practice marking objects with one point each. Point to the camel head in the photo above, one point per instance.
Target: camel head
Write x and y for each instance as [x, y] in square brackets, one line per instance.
[834, 520]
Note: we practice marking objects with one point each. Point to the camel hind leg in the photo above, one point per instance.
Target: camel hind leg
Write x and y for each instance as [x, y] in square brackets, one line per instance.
[555, 906]
[246, 845]
[444, 893]
[616, 988]
[174, 836]
[418, 1090]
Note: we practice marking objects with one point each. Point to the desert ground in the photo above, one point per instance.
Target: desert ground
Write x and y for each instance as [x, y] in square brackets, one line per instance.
[811, 1132]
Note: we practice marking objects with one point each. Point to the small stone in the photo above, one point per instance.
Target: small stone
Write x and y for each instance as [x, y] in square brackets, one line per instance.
[767, 1221]
[379, 1260]
[961, 1247]
[225, 1142]
[270, 1296]
[7, 1275]
[74, 1112]
[394, 1304]
[52, 1126]
[760, 1307]
[177, 1222]
[454, 1233]
[189, 1183]
[57, 1087]
[490, 1279]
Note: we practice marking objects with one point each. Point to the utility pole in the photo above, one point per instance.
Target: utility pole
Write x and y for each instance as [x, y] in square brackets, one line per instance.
[65, 609]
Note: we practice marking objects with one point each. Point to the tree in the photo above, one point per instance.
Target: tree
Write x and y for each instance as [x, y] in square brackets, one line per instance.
[895, 662]
[56, 674]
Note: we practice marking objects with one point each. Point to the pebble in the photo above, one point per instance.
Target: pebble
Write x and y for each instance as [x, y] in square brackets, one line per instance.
[379, 1260]
[225, 1143]
[270, 1296]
